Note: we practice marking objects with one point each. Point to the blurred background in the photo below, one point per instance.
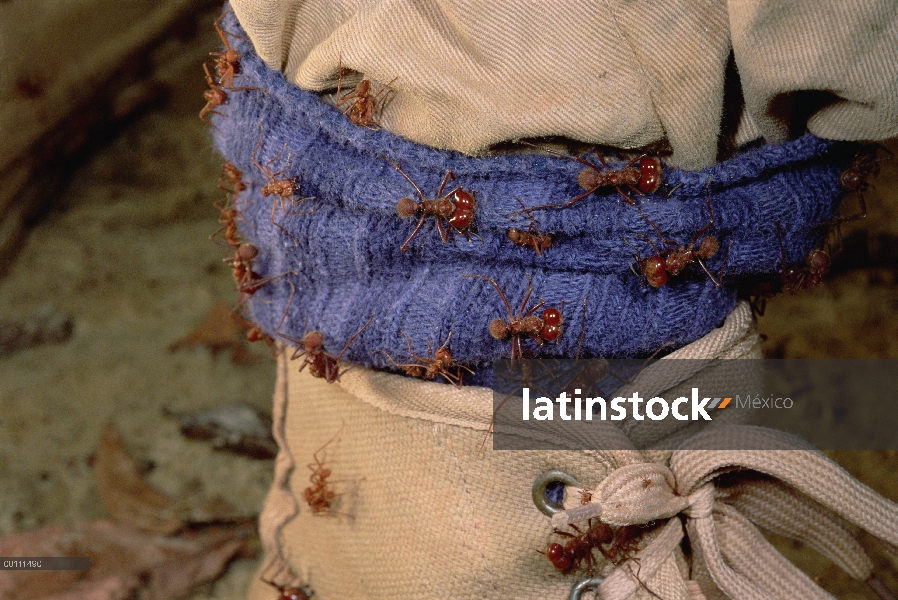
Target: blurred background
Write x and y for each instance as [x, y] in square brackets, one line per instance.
[111, 292]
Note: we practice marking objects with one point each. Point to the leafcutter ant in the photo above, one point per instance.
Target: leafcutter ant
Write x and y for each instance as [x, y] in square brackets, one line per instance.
[456, 208]
[283, 190]
[227, 63]
[541, 329]
[533, 237]
[675, 258]
[310, 347]
[854, 179]
[642, 175]
[578, 550]
[362, 104]
[319, 495]
[435, 363]
[215, 96]
[797, 278]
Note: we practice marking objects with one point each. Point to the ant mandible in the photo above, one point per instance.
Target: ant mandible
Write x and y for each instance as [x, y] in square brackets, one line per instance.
[436, 363]
[672, 260]
[215, 96]
[641, 175]
[456, 208]
[541, 329]
[533, 237]
[363, 106]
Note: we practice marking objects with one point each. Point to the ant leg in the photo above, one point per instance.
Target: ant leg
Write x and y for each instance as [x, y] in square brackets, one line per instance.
[498, 289]
[715, 281]
[526, 296]
[449, 176]
[444, 232]
[352, 338]
[405, 245]
[407, 178]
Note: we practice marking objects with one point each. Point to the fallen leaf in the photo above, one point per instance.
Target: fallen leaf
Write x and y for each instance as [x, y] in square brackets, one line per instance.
[234, 427]
[125, 493]
[46, 325]
[123, 560]
[219, 331]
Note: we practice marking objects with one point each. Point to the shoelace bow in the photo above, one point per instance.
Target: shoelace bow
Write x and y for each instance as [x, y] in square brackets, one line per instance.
[788, 489]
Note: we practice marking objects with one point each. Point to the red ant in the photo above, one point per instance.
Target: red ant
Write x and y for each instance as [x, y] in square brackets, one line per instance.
[318, 495]
[248, 281]
[283, 189]
[228, 220]
[310, 348]
[234, 176]
[290, 592]
[436, 363]
[533, 237]
[642, 175]
[363, 105]
[456, 208]
[672, 260]
[226, 63]
[815, 268]
[580, 545]
[854, 179]
[215, 96]
[542, 329]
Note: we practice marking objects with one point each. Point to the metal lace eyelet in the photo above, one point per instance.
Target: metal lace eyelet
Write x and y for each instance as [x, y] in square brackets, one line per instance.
[542, 502]
[590, 583]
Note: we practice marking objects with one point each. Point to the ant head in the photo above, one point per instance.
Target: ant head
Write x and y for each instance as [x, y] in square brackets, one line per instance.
[313, 341]
[464, 200]
[232, 57]
[852, 179]
[363, 87]
[247, 252]
[707, 247]
[406, 207]
[254, 334]
[294, 594]
[461, 218]
[654, 269]
[515, 235]
[649, 174]
[499, 329]
[819, 262]
[557, 556]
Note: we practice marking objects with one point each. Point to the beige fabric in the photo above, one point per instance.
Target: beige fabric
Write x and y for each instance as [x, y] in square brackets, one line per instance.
[424, 512]
[626, 73]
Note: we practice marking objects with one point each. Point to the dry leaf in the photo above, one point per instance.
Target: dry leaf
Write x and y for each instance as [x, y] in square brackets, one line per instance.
[234, 427]
[125, 493]
[47, 325]
[219, 331]
[123, 560]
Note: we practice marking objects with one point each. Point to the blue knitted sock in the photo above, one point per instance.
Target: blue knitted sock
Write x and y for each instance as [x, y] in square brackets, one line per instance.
[346, 265]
